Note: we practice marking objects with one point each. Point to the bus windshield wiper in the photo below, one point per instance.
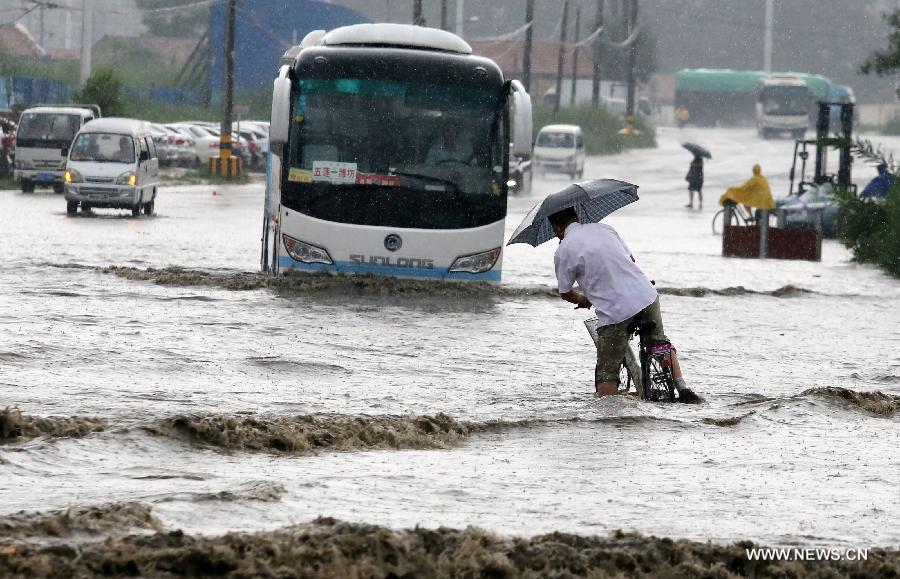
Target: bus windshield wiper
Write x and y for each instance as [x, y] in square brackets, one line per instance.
[432, 178]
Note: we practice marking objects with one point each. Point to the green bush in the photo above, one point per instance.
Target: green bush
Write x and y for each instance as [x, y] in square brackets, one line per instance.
[869, 229]
[103, 88]
[601, 128]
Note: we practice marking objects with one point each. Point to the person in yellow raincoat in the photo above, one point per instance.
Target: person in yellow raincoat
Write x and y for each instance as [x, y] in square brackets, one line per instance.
[754, 193]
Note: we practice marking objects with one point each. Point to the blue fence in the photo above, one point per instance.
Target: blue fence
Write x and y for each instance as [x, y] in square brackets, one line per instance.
[23, 92]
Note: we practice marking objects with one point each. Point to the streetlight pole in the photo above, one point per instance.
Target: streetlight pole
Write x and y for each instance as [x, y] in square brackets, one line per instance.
[595, 81]
[87, 39]
[632, 60]
[526, 58]
[418, 19]
[460, 16]
[767, 42]
[562, 56]
[225, 144]
[575, 54]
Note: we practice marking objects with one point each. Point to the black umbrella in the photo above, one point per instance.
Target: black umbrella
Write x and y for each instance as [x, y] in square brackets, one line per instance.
[592, 200]
[697, 150]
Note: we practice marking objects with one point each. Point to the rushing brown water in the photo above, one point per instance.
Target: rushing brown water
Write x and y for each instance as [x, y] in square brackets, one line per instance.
[156, 391]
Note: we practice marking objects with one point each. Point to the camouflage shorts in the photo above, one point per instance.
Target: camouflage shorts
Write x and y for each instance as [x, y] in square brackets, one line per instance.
[613, 340]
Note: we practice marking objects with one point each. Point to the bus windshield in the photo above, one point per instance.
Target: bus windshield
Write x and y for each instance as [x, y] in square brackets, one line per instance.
[47, 129]
[784, 100]
[396, 153]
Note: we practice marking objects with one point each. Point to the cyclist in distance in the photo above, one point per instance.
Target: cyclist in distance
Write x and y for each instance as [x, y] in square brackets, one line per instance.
[594, 256]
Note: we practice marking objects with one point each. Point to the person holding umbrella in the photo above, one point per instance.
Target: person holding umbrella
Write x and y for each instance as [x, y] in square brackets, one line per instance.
[593, 255]
[695, 173]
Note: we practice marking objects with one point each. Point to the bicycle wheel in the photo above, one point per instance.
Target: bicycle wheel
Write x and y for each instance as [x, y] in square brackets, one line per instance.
[718, 220]
[659, 383]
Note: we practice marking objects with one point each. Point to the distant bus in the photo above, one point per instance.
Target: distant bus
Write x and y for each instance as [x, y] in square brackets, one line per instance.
[782, 105]
[364, 119]
[728, 97]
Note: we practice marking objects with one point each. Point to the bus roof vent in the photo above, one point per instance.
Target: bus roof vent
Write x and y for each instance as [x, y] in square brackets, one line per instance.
[312, 38]
[384, 34]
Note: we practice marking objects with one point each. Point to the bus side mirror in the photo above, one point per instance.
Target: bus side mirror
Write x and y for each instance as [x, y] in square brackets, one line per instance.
[281, 109]
[520, 118]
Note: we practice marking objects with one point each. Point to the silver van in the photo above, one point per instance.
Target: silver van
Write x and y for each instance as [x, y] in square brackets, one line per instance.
[559, 149]
[112, 163]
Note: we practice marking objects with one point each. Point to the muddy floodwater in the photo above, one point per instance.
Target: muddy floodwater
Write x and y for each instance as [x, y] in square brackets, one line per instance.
[217, 401]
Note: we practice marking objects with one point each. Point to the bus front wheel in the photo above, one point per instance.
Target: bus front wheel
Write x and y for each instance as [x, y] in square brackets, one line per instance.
[27, 186]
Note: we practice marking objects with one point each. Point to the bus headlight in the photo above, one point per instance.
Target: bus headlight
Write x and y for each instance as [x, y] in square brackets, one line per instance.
[306, 252]
[127, 178]
[476, 263]
[72, 176]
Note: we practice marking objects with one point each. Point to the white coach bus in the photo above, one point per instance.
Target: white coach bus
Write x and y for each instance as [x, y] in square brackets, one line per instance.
[390, 155]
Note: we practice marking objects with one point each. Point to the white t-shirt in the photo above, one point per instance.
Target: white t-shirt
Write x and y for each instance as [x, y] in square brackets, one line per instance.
[596, 257]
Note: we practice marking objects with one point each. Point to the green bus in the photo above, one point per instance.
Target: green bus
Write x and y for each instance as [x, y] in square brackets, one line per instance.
[728, 97]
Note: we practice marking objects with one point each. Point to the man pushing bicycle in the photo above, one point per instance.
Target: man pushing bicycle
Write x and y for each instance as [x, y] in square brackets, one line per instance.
[594, 256]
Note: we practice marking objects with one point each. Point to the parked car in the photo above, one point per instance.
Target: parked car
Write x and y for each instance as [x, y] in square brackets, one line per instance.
[165, 152]
[112, 163]
[559, 149]
[261, 129]
[206, 144]
[239, 146]
[183, 146]
[256, 156]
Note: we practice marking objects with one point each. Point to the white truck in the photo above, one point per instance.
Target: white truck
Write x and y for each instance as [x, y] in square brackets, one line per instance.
[43, 139]
[782, 105]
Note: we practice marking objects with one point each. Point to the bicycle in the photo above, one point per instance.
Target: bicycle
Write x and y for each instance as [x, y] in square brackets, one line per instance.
[741, 218]
[649, 374]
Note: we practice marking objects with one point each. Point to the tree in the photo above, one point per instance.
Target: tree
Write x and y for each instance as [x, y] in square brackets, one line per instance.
[173, 23]
[884, 62]
[103, 88]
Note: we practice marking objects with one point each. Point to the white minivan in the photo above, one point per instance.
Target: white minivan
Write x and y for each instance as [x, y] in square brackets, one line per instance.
[559, 149]
[112, 163]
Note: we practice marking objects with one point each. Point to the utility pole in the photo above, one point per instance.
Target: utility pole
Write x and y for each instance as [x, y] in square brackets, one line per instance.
[575, 54]
[767, 42]
[87, 39]
[632, 60]
[595, 80]
[562, 56]
[418, 19]
[526, 58]
[460, 16]
[443, 14]
[225, 144]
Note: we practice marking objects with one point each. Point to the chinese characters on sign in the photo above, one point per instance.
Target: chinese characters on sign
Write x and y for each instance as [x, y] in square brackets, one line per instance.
[334, 172]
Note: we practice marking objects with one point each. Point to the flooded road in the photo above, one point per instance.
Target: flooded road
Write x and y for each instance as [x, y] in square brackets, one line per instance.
[256, 408]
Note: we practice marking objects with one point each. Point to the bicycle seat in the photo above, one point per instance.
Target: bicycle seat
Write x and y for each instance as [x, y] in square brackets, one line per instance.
[638, 326]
